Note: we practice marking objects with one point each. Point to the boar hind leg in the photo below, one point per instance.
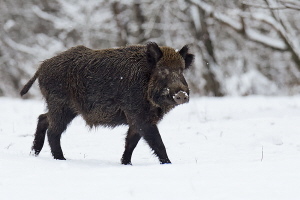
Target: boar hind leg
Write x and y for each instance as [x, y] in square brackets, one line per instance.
[131, 141]
[40, 133]
[151, 134]
[58, 123]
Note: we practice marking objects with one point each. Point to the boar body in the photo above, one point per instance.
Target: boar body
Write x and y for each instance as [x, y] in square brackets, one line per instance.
[134, 85]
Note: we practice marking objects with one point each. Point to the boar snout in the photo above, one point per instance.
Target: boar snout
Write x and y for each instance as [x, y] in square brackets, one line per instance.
[181, 97]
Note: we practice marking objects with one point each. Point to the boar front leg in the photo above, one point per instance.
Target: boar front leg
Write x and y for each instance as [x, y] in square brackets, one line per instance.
[151, 134]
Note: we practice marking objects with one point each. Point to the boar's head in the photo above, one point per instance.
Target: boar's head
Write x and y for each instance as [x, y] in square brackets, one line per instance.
[167, 85]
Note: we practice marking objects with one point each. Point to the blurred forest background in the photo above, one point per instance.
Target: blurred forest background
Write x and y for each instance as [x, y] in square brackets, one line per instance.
[242, 47]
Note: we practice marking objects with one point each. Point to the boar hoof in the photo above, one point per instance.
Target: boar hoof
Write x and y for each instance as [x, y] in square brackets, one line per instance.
[34, 152]
[125, 162]
[165, 161]
[58, 156]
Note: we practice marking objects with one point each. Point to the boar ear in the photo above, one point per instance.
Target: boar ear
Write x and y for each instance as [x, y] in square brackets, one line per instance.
[188, 58]
[153, 53]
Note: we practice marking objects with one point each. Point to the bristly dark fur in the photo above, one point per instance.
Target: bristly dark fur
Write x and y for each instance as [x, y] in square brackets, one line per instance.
[133, 85]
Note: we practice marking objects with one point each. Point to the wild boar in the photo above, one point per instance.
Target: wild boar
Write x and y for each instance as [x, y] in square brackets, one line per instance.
[133, 85]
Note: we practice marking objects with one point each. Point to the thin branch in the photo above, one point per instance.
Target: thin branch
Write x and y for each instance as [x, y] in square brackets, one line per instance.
[263, 7]
[291, 4]
[285, 5]
[19, 47]
[44, 15]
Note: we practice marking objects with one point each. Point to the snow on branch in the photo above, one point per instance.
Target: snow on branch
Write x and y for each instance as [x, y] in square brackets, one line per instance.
[275, 25]
[44, 15]
[235, 24]
[240, 26]
[20, 47]
[283, 5]
[209, 10]
[255, 5]
[268, 20]
[286, 33]
[291, 4]
[261, 38]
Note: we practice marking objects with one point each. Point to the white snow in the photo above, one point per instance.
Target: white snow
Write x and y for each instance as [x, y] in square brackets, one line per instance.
[221, 148]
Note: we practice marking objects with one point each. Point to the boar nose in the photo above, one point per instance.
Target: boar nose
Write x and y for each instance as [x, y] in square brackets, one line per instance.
[181, 97]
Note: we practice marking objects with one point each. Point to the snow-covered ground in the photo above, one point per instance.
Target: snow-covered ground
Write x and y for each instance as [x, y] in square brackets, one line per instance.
[221, 148]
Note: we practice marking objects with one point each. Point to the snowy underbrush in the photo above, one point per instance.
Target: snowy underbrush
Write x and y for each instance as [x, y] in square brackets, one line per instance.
[221, 148]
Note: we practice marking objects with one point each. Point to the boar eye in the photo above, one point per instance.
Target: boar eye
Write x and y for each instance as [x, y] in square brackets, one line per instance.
[165, 91]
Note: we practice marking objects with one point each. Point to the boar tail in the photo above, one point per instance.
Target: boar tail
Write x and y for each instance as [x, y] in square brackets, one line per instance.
[29, 84]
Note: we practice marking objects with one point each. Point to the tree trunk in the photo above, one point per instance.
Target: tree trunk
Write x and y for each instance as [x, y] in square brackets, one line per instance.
[207, 49]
